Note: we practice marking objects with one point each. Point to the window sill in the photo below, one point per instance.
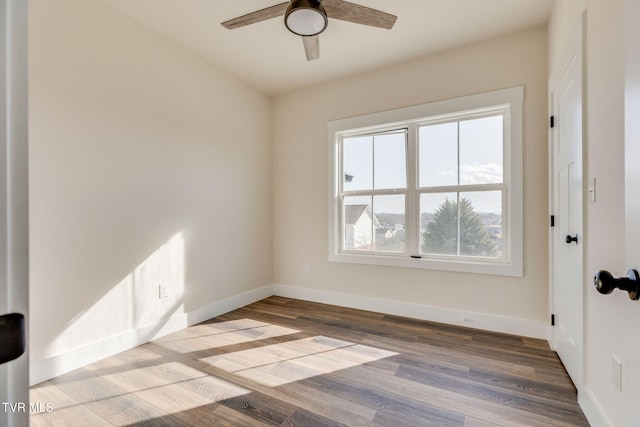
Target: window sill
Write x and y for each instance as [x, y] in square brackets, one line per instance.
[491, 268]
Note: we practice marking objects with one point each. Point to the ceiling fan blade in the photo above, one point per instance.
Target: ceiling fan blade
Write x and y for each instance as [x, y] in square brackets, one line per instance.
[351, 12]
[311, 47]
[257, 16]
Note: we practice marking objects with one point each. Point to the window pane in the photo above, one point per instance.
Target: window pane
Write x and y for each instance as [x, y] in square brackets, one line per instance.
[389, 221]
[358, 217]
[439, 223]
[390, 161]
[438, 155]
[481, 224]
[481, 145]
[358, 163]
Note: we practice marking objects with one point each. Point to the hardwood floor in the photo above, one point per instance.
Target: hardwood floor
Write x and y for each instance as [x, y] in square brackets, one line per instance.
[284, 362]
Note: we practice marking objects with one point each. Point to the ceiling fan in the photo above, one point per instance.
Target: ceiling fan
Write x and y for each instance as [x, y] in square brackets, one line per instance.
[309, 18]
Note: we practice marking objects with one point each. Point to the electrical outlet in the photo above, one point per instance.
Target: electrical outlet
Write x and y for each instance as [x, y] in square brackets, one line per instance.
[163, 290]
[616, 373]
[307, 268]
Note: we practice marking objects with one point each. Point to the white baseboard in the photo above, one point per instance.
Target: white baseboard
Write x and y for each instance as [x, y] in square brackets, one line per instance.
[550, 337]
[592, 409]
[509, 325]
[42, 370]
[226, 305]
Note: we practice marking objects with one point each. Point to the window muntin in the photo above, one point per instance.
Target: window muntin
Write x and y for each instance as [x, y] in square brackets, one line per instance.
[465, 224]
[375, 161]
[461, 177]
[489, 180]
[373, 192]
[460, 188]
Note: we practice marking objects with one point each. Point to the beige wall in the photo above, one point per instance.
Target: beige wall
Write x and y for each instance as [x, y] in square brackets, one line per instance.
[604, 144]
[148, 166]
[566, 17]
[301, 178]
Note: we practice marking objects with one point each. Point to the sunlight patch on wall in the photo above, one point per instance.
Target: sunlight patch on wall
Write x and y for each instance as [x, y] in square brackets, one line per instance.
[164, 267]
[133, 302]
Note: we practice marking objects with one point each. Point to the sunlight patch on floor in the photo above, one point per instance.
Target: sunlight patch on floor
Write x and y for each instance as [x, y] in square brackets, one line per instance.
[144, 381]
[216, 335]
[156, 390]
[283, 363]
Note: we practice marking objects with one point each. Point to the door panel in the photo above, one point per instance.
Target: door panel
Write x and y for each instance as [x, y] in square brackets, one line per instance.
[567, 260]
[14, 375]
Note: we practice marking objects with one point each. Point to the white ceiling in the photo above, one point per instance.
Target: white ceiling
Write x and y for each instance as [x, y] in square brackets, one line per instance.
[270, 58]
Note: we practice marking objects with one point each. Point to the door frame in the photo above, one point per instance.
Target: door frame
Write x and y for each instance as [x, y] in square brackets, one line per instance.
[631, 314]
[576, 48]
[14, 218]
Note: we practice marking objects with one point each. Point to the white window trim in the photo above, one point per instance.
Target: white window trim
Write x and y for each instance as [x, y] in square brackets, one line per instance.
[513, 265]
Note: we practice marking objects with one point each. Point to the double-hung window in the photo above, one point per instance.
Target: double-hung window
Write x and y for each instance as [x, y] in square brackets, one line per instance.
[432, 186]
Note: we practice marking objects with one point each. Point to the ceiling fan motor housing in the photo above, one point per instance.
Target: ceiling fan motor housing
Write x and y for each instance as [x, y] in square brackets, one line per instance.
[306, 17]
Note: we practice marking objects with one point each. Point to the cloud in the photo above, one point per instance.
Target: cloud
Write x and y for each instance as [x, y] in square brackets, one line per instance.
[488, 173]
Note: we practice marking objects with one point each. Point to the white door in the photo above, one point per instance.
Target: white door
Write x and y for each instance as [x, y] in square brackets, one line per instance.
[567, 237]
[631, 309]
[14, 375]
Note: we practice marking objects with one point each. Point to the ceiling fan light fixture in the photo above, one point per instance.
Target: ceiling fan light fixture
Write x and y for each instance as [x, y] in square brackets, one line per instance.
[306, 17]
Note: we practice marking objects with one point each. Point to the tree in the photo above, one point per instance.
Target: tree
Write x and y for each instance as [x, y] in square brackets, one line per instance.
[441, 233]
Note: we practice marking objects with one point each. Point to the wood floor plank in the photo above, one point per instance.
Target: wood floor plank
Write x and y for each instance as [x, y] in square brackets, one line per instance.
[278, 374]
[137, 379]
[215, 389]
[302, 418]
[224, 416]
[47, 392]
[69, 416]
[85, 387]
[285, 362]
[400, 418]
[325, 404]
[470, 421]
[492, 394]
[446, 399]
[261, 407]
[125, 409]
[185, 404]
[66, 410]
[383, 400]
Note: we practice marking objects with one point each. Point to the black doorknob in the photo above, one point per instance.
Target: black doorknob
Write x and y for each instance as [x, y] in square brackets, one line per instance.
[12, 337]
[570, 239]
[605, 283]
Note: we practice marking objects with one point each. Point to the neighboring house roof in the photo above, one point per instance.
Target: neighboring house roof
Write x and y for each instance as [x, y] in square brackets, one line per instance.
[352, 213]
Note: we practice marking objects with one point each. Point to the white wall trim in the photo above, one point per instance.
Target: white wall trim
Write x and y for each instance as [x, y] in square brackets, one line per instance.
[42, 370]
[509, 325]
[229, 304]
[592, 409]
[503, 101]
